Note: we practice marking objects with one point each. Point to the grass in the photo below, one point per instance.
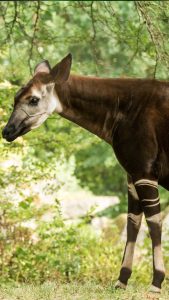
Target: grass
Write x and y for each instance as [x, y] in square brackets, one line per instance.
[75, 291]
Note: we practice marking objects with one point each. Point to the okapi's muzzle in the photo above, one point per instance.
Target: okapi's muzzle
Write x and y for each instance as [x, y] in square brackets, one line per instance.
[15, 127]
[8, 131]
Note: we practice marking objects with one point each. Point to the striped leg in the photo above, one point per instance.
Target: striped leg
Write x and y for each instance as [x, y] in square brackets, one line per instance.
[147, 191]
[133, 225]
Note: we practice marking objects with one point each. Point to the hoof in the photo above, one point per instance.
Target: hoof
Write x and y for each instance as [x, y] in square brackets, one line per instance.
[153, 293]
[120, 285]
[154, 289]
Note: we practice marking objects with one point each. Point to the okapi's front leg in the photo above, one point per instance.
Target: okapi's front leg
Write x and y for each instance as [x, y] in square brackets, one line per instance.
[147, 191]
[133, 225]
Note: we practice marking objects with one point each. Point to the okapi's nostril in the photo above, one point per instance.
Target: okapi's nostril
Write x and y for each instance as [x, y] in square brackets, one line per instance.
[8, 130]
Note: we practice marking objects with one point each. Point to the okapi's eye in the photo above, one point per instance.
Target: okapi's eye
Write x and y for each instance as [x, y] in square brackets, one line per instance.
[34, 101]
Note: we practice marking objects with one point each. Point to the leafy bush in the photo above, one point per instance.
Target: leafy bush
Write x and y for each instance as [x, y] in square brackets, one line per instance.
[58, 252]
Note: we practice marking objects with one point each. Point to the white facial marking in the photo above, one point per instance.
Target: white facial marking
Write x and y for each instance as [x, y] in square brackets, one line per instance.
[36, 93]
[40, 120]
[54, 103]
[51, 99]
[48, 103]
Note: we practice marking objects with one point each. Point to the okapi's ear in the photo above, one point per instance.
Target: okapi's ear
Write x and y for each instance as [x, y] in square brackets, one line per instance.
[60, 72]
[43, 66]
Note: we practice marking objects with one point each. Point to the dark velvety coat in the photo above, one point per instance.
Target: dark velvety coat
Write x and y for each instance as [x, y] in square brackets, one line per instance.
[130, 114]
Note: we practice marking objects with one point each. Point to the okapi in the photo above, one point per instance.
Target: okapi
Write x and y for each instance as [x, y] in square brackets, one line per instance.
[132, 115]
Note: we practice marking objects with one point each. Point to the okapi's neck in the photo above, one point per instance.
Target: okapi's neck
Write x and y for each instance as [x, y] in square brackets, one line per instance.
[92, 103]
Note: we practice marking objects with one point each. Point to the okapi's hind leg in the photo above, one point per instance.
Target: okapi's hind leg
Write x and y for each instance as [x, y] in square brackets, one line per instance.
[147, 191]
[133, 225]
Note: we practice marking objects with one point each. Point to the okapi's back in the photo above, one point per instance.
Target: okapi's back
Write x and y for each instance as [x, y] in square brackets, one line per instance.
[126, 90]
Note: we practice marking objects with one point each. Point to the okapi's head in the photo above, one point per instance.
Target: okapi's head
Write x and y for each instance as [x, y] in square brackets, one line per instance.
[35, 101]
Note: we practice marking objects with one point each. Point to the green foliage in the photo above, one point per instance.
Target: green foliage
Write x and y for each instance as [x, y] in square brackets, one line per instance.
[118, 38]
[55, 251]
[98, 169]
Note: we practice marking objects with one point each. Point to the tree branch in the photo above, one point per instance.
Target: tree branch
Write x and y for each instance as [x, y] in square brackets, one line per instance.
[156, 36]
[34, 35]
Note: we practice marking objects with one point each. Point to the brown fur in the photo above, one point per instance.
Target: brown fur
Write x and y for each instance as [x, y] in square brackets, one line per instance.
[132, 115]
